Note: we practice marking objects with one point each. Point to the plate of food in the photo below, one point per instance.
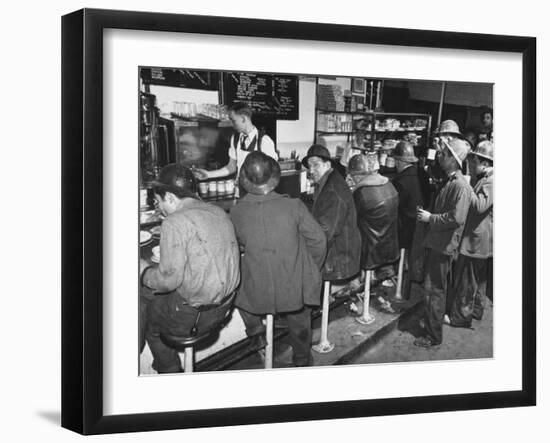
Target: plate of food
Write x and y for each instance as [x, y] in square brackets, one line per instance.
[155, 257]
[144, 237]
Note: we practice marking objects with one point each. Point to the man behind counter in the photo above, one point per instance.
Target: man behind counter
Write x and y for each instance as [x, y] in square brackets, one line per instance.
[246, 139]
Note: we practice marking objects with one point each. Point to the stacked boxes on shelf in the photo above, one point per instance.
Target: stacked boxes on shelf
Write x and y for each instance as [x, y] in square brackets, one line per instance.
[329, 122]
[330, 97]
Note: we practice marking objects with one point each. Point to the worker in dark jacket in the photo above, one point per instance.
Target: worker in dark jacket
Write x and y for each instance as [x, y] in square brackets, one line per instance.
[376, 202]
[334, 210]
[470, 272]
[407, 184]
[446, 225]
[284, 250]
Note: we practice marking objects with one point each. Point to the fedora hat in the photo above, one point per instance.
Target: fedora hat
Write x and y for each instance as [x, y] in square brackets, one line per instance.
[177, 179]
[317, 151]
[260, 174]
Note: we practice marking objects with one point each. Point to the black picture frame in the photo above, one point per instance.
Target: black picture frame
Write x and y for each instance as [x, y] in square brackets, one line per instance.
[82, 218]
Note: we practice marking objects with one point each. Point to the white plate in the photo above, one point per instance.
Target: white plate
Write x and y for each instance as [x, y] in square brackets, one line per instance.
[155, 259]
[144, 236]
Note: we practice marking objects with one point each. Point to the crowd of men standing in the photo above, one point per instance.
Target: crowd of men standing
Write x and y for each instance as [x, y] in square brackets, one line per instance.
[271, 253]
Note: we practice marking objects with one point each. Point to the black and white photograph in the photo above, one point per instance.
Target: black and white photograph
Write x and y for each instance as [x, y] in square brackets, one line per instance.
[291, 220]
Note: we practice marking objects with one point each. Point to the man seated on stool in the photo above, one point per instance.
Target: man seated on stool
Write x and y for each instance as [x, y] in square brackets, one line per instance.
[284, 249]
[334, 210]
[376, 202]
[199, 263]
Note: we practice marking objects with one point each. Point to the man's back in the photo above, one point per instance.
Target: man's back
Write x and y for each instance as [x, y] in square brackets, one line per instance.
[377, 219]
[199, 254]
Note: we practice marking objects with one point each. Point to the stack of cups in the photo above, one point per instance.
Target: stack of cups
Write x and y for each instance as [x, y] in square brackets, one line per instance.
[203, 189]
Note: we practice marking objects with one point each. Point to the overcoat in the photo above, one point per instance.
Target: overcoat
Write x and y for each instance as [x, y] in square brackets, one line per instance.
[376, 201]
[334, 210]
[477, 239]
[283, 251]
[408, 187]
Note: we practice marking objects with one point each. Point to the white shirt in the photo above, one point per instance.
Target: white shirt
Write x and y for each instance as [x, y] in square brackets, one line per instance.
[239, 155]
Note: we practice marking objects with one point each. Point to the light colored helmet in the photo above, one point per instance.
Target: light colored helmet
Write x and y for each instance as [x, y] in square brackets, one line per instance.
[459, 148]
[484, 150]
[449, 127]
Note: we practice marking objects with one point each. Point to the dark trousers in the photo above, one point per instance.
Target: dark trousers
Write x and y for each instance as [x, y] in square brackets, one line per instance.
[169, 314]
[437, 277]
[153, 309]
[469, 290]
[490, 278]
[299, 331]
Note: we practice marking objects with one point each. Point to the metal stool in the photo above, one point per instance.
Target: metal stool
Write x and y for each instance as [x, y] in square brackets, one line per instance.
[324, 346]
[269, 339]
[398, 293]
[366, 318]
[218, 312]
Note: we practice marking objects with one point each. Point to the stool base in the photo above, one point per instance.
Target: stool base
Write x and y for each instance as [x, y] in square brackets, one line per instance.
[323, 347]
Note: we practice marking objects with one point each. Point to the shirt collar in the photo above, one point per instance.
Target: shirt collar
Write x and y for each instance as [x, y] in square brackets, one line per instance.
[454, 175]
[250, 135]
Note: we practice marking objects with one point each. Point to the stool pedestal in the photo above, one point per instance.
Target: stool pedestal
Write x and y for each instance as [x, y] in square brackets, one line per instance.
[269, 339]
[398, 289]
[324, 346]
[188, 357]
[366, 318]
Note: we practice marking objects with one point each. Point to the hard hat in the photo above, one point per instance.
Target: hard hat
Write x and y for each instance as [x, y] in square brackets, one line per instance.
[404, 151]
[362, 164]
[484, 150]
[177, 179]
[260, 174]
[459, 149]
[449, 127]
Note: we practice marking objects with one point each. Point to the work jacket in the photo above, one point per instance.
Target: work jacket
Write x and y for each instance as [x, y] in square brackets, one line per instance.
[449, 215]
[334, 210]
[477, 240]
[283, 251]
[199, 255]
[376, 202]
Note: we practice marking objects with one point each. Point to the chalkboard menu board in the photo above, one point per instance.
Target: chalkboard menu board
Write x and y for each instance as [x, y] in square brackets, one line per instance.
[183, 78]
[274, 95]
